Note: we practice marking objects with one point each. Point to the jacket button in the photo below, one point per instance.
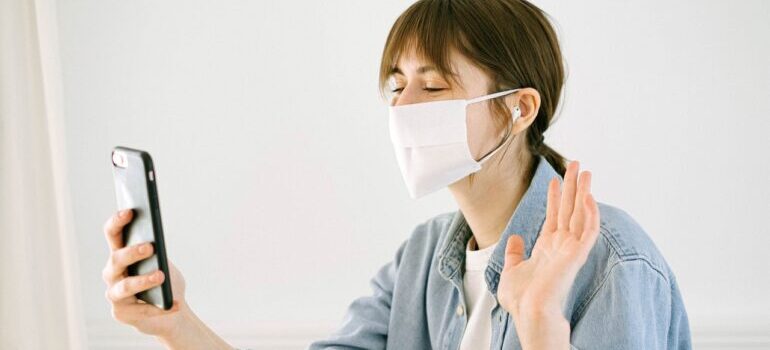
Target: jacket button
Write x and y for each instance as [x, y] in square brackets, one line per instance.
[460, 310]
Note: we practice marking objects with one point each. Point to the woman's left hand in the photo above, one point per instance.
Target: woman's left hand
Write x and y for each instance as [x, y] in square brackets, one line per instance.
[534, 291]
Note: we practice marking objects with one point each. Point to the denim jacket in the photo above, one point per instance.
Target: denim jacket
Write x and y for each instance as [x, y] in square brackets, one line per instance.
[624, 297]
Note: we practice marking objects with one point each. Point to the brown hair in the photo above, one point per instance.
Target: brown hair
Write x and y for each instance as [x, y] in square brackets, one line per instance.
[511, 40]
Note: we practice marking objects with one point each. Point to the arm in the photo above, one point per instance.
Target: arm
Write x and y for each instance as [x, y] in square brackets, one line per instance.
[365, 325]
[192, 333]
[534, 290]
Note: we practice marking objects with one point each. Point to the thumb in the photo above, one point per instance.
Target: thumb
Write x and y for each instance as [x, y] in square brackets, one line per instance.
[514, 251]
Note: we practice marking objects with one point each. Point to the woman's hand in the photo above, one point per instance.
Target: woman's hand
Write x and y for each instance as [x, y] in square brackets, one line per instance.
[126, 308]
[534, 291]
[177, 328]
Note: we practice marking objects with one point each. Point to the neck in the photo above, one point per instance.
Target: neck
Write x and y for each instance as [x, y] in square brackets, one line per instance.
[489, 202]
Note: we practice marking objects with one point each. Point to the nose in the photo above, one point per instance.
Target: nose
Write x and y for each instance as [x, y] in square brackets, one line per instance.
[408, 96]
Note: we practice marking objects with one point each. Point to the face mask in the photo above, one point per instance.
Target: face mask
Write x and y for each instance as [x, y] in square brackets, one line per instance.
[431, 142]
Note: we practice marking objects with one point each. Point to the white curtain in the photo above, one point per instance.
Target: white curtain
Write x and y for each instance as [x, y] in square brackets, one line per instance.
[39, 290]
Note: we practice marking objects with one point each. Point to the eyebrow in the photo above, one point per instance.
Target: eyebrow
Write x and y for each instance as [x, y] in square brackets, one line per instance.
[421, 70]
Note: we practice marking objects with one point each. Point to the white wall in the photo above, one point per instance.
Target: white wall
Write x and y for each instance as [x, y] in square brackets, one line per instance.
[280, 193]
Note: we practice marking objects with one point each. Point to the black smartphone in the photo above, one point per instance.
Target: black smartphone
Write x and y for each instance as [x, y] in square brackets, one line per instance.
[136, 188]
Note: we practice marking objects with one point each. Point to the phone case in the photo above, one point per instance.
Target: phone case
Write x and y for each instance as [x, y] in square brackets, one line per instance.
[136, 188]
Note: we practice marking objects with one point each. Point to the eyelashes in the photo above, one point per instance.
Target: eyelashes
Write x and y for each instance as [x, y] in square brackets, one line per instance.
[426, 89]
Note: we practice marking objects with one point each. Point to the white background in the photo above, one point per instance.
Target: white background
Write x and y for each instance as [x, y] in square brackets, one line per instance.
[279, 190]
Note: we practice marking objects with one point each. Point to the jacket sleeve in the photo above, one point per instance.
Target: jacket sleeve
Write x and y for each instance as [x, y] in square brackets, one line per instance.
[636, 307]
[365, 324]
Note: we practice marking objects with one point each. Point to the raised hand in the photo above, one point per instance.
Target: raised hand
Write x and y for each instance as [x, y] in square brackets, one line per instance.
[126, 308]
[534, 291]
[177, 328]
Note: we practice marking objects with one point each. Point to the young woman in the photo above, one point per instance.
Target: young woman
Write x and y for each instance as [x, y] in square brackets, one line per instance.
[529, 261]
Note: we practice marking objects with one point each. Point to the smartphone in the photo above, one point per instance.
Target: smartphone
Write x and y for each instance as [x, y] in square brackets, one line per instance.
[136, 188]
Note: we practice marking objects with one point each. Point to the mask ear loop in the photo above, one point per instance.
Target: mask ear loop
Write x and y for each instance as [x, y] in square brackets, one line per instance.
[486, 97]
[515, 114]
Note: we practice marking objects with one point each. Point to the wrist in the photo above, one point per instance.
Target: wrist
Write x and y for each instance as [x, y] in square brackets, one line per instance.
[186, 325]
[191, 333]
[542, 328]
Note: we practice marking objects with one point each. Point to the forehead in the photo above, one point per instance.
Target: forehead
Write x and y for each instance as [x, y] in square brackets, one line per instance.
[411, 60]
[411, 63]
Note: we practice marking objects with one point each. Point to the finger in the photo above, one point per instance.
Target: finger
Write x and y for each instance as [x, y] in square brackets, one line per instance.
[129, 286]
[552, 207]
[578, 215]
[591, 229]
[568, 195]
[129, 313]
[113, 228]
[514, 251]
[124, 257]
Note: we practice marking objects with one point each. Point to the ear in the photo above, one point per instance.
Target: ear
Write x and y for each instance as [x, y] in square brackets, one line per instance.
[528, 100]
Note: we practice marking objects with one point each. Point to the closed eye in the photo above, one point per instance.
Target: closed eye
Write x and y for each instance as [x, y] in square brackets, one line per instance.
[426, 89]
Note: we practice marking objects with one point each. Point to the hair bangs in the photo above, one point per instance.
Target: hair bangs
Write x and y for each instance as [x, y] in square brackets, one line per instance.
[428, 29]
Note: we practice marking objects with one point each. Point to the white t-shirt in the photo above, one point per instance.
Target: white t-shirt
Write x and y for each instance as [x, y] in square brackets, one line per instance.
[479, 301]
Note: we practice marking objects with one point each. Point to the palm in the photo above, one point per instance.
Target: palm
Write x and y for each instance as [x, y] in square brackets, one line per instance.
[542, 282]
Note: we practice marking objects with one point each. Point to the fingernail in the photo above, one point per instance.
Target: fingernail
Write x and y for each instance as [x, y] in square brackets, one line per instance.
[155, 276]
[123, 213]
[143, 248]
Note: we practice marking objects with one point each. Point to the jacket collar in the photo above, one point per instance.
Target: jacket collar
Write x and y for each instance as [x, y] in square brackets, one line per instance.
[526, 221]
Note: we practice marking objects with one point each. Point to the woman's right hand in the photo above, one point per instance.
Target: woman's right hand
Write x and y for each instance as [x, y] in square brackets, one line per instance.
[177, 328]
[126, 308]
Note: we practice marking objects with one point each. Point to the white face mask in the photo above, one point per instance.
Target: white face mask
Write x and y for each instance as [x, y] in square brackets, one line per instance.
[431, 142]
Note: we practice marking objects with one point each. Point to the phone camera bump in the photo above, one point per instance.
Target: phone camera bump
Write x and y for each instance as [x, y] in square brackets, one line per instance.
[119, 159]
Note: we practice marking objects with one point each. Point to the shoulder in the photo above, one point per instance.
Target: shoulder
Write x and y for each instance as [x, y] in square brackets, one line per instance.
[432, 230]
[427, 235]
[624, 240]
[627, 281]
[420, 247]
[624, 261]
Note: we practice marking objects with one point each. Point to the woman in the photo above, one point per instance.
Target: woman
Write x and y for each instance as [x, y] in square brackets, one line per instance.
[474, 85]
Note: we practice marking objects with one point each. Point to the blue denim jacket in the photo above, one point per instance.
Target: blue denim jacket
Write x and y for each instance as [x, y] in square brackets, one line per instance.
[624, 297]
